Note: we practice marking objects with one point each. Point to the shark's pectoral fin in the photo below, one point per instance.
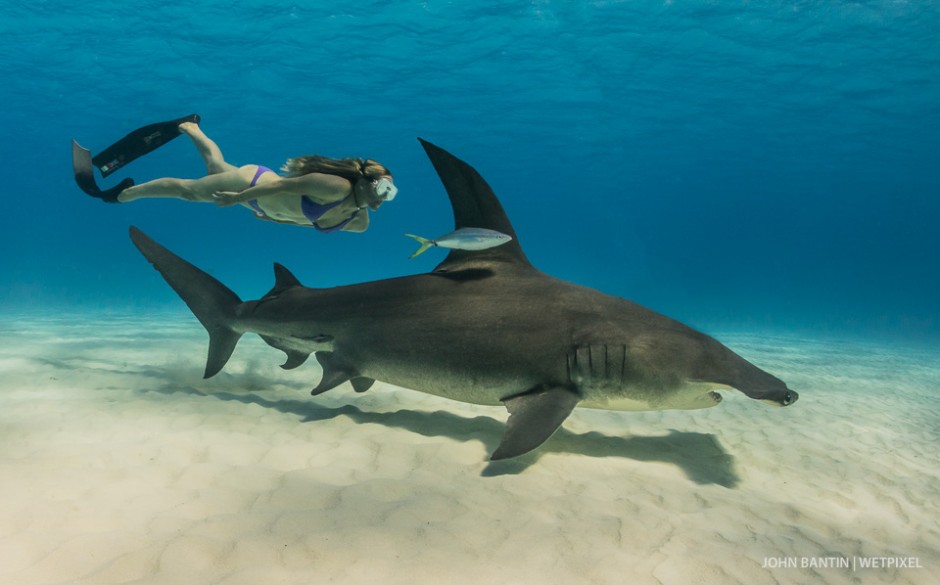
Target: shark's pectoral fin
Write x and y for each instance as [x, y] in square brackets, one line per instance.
[533, 418]
[335, 372]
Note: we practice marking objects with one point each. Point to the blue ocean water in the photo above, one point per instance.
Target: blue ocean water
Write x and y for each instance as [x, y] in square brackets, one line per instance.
[761, 165]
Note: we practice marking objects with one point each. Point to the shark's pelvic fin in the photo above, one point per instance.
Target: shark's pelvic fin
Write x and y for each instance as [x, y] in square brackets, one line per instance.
[335, 372]
[533, 418]
[213, 303]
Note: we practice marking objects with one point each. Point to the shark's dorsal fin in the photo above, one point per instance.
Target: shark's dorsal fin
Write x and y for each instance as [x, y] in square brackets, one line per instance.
[283, 280]
[475, 206]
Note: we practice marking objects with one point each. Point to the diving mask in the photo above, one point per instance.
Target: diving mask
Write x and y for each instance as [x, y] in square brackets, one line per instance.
[385, 189]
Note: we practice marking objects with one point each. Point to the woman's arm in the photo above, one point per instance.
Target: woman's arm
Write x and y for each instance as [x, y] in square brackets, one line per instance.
[360, 223]
[317, 186]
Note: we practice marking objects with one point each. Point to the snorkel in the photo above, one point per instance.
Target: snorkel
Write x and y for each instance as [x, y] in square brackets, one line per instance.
[385, 189]
[373, 192]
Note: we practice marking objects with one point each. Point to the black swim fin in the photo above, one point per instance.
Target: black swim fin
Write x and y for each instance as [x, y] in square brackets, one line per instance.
[128, 149]
[85, 177]
[138, 143]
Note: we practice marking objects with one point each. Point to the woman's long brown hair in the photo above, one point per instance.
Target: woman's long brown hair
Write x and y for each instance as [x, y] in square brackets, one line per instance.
[352, 169]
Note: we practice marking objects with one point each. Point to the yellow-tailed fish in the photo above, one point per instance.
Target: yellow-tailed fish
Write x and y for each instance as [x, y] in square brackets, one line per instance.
[463, 239]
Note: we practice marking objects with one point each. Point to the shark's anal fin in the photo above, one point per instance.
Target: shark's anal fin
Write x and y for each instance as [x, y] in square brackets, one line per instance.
[533, 418]
[295, 357]
[335, 372]
[361, 383]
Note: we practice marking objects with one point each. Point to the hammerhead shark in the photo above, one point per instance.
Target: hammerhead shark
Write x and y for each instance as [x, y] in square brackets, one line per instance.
[484, 327]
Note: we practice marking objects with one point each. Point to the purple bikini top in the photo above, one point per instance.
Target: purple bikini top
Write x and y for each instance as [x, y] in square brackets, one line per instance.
[314, 211]
[310, 208]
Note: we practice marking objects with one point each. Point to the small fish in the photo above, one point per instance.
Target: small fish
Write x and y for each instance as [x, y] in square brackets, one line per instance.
[463, 239]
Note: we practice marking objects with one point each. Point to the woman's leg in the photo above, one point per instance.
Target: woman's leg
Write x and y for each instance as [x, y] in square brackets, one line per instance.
[222, 176]
[191, 189]
[209, 150]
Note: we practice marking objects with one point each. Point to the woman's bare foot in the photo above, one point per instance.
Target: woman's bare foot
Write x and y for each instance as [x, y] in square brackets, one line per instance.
[189, 128]
[127, 195]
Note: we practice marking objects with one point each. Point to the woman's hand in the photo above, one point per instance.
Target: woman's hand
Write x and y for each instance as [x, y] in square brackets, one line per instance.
[227, 198]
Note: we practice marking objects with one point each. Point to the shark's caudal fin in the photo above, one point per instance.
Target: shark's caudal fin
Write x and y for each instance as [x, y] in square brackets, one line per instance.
[475, 206]
[210, 300]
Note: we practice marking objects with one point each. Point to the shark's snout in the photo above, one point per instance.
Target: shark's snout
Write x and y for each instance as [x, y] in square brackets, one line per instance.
[785, 398]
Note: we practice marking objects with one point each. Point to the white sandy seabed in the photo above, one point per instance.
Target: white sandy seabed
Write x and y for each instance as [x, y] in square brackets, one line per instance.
[119, 464]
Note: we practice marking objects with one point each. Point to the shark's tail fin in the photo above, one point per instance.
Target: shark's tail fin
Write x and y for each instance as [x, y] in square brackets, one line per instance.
[425, 244]
[213, 303]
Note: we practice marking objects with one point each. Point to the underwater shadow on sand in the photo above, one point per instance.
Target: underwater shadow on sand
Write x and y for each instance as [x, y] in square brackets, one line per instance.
[699, 455]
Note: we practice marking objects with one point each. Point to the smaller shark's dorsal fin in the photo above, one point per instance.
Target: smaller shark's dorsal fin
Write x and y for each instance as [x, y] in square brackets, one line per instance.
[475, 206]
[283, 280]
